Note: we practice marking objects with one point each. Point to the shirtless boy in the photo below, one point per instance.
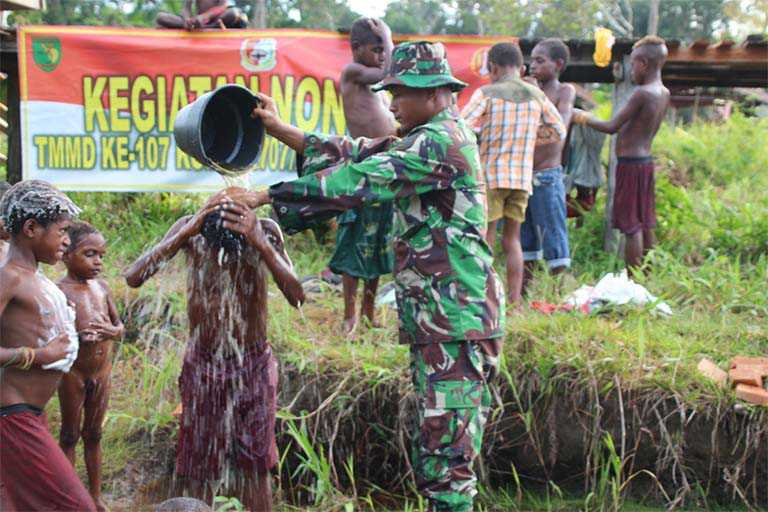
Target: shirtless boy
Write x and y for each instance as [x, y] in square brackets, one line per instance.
[4, 236]
[363, 235]
[544, 234]
[228, 381]
[37, 343]
[210, 14]
[634, 201]
[84, 391]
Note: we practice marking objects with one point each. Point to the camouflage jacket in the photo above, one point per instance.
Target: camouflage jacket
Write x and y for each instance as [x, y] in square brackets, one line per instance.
[447, 289]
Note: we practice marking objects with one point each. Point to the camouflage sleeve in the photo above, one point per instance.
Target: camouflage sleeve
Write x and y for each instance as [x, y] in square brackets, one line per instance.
[323, 151]
[360, 174]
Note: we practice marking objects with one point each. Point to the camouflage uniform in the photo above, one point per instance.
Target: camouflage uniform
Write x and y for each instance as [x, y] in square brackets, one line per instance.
[450, 300]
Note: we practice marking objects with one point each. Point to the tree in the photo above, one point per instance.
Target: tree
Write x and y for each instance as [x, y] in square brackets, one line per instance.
[748, 16]
[685, 20]
[416, 17]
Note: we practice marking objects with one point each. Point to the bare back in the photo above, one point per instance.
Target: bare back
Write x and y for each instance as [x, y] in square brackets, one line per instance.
[227, 299]
[227, 303]
[29, 320]
[635, 137]
[365, 112]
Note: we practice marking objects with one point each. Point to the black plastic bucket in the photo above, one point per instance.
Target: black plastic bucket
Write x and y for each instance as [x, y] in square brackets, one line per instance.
[218, 131]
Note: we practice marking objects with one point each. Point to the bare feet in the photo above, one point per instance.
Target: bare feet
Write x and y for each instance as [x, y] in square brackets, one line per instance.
[99, 502]
[348, 327]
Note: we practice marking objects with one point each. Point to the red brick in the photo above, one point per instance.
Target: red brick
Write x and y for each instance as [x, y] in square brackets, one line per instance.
[752, 394]
[761, 369]
[744, 360]
[745, 375]
[713, 372]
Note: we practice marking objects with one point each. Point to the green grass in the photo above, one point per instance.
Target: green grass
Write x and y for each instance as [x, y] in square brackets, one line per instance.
[711, 266]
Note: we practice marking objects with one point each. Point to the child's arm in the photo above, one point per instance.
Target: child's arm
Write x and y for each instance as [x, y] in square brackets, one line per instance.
[266, 237]
[176, 238]
[565, 104]
[357, 73]
[108, 330]
[631, 109]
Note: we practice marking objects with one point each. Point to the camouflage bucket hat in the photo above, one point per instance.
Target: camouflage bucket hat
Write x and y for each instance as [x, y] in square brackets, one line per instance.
[420, 64]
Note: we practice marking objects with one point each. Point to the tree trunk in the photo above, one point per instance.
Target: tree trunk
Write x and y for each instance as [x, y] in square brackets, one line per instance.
[259, 10]
[653, 18]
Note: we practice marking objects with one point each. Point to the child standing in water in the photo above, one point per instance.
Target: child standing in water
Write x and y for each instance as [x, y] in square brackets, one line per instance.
[38, 343]
[228, 381]
[84, 391]
[364, 234]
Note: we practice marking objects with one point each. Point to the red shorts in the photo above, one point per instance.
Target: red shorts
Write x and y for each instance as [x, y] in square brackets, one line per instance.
[228, 417]
[34, 473]
[634, 200]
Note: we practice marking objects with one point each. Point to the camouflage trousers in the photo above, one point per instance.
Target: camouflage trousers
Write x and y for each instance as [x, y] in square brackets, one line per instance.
[451, 383]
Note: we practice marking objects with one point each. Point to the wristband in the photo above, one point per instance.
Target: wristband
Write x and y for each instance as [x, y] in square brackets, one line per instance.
[580, 117]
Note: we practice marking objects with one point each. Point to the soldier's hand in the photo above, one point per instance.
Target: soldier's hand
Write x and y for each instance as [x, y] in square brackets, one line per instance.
[56, 349]
[267, 112]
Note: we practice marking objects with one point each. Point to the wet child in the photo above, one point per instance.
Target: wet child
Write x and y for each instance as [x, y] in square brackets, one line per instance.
[228, 380]
[84, 391]
[634, 201]
[544, 233]
[4, 236]
[364, 234]
[38, 343]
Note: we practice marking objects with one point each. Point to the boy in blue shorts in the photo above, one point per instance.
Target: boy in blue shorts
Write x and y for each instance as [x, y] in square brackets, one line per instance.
[544, 234]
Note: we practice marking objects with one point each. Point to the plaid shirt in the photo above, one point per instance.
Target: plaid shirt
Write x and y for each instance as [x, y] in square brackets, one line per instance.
[512, 117]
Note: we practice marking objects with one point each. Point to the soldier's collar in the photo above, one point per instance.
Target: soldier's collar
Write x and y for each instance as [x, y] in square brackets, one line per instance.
[450, 112]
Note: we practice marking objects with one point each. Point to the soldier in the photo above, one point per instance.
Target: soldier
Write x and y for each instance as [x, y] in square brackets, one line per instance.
[450, 300]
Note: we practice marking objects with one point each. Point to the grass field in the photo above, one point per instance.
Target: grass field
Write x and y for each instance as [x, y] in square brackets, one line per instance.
[617, 373]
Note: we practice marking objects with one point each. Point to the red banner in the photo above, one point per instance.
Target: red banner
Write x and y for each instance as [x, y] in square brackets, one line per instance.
[98, 103]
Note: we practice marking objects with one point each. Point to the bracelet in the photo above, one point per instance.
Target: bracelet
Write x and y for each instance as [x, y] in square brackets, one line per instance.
[29, 358]
[23, 358]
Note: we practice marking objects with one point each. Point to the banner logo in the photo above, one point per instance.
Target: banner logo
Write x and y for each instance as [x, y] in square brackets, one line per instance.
[46, 52]
[258, 54]
[479, 63]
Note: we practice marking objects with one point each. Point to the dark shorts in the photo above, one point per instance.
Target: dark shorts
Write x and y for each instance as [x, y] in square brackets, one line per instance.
[34, 473]
[634, 200]
[228, 418]
[364, 242]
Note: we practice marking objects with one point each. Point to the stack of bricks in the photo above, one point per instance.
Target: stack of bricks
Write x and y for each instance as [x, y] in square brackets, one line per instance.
[747, 374]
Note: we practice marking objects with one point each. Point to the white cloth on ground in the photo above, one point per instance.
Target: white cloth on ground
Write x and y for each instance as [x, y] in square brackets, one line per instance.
[615, 289]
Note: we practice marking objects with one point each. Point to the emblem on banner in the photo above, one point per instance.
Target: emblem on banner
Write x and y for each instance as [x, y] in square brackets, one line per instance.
[479, 63]
[46, 52]
[258, 54]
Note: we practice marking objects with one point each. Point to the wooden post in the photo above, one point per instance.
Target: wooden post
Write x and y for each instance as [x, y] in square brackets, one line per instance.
[14, 121]
[622, 89]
